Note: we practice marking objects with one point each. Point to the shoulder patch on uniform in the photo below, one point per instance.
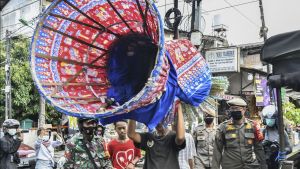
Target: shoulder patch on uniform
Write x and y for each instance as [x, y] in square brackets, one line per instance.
[150, 143]
[248, 121]
[201, 124]
[227, 122]
[248, 126]
[230, 127]
[200, 127]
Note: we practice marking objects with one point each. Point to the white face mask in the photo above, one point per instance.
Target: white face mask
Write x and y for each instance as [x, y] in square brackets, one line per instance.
[12, 132]
[45, 138]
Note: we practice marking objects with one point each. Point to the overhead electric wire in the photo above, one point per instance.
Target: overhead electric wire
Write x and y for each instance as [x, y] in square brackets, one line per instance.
[241, 13]
[20, 7]
[232, 6]
[10, 25]
[14, 31]
[167, 4]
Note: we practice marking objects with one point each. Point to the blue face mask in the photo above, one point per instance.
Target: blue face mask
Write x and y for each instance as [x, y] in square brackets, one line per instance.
[270, 122]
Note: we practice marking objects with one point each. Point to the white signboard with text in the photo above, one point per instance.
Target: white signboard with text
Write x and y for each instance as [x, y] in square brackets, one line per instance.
[223, 60]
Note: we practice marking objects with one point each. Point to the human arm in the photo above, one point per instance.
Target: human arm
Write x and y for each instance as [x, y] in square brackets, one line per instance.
[106, 163]
[131, 164]
[138, 155]
[191, 163]
[258, 146]
[132, 134]
[58, 142]
[218, 149]
[288, 147]
[260, 154]
[37, 144]
[180, 130]
[110, 149]
[192, 152]
[10, 147]
[69, 155]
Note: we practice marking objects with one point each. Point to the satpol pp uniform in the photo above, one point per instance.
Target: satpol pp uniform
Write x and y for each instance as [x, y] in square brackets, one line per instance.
[204, 139]
[238, 146]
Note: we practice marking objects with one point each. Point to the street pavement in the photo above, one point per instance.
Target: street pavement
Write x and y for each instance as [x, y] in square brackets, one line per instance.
[296, 150]
[60, 154]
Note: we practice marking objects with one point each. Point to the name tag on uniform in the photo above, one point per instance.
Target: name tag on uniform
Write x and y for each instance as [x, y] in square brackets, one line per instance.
[201, 138]
[230, 136]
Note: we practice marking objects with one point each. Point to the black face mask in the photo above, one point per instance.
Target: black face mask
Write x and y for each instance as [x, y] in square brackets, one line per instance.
[236, 115]
[89, 130]
[208, 120]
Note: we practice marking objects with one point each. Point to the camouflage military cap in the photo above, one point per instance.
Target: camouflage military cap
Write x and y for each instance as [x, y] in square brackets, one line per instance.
[11, 123]
[237, 102]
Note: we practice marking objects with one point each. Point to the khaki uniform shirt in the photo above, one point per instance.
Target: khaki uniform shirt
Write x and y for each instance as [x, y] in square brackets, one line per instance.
[204, 140]
[236, 147]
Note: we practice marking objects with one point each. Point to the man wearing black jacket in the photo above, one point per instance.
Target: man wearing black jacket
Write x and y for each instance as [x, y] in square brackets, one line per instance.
[9, 144]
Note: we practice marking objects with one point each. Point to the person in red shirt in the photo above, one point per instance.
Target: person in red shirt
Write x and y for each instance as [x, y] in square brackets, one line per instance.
[122, 151]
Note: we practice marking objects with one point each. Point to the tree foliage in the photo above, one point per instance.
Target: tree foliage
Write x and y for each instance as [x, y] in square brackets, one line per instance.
[291, 112]
[25, 97]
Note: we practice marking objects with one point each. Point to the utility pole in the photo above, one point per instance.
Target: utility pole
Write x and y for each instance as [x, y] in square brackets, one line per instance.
[263, 33]
[196, 16]
[263, 29]
[7, 78]
[176, 31]
[42, 115]
[195, 34]
[193, 15]
[42, 119]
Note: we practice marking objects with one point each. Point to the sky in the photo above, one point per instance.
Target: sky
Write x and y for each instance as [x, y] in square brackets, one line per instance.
[244, 21]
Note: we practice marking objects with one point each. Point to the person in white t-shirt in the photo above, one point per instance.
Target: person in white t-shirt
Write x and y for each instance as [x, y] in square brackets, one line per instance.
[186, 155]
[45, 149]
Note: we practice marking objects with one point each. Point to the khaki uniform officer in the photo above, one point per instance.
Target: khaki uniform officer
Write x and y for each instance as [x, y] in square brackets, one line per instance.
[204, 137]
[238, 141]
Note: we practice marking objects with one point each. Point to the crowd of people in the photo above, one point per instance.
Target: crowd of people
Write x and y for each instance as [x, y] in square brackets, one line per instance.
[238, 143]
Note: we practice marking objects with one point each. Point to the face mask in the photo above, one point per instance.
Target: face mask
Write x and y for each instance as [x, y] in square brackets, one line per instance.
[12, 132]
[270, 122]
[99, 133]
[208, 120]
[45, 138]
[89, 130]
[236, 115]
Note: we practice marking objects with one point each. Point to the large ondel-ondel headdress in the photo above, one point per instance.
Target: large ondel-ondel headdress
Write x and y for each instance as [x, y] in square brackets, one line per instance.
[107, 59]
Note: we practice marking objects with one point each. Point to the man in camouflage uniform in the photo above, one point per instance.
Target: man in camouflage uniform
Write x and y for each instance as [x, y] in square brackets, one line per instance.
[77, 156]
[238, 141]
[204, 136]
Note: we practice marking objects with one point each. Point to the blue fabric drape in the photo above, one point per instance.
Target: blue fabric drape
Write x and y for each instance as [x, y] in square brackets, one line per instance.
[154, 113]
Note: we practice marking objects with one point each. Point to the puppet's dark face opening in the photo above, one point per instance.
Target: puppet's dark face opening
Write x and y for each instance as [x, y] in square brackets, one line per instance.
[131, 60]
